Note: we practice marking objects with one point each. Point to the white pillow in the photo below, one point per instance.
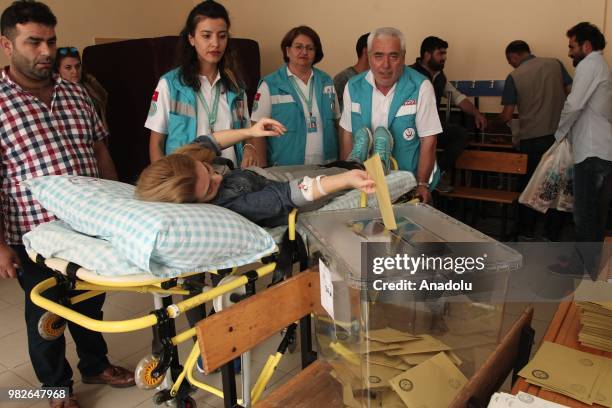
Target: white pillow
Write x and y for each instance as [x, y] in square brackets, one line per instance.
[183, 237]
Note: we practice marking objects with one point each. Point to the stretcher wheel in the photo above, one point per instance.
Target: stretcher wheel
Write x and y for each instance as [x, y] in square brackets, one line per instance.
[223, 301]
[144, 373]
[51, 326]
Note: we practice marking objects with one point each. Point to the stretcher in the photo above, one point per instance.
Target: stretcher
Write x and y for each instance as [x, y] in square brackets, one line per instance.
[163, 371]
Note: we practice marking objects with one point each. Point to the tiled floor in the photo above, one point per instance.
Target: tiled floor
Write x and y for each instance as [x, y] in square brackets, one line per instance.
[128, 348]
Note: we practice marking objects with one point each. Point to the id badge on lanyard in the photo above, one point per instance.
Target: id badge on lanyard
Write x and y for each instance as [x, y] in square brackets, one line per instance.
[312, 124]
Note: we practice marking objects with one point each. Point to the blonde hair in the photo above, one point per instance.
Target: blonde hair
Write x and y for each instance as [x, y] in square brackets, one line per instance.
[196, 152]
[171, 179]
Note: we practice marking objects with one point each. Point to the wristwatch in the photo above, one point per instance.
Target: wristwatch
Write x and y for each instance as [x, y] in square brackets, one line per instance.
[424, 184]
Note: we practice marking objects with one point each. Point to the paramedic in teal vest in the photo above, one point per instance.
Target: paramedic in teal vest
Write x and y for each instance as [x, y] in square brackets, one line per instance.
[304, 100]
[391, 110]
[203, 94]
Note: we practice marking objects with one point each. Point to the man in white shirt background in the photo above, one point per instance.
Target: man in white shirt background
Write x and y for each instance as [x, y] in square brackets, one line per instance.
[586, 120]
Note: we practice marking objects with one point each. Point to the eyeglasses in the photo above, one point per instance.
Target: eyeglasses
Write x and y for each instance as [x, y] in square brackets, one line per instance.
[68, 50]
[302, 47]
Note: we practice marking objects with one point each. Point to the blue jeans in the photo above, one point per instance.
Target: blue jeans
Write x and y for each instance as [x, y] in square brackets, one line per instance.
[48, 356]
[592, 191]
[592, 188]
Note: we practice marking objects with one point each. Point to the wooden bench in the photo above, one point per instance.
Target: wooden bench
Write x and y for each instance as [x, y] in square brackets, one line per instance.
[503, 163]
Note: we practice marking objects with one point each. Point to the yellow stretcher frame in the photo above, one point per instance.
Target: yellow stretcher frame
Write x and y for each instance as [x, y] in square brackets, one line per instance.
[174, 310]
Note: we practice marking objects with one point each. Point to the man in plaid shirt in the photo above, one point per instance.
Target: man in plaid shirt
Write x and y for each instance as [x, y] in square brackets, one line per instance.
[47, 126]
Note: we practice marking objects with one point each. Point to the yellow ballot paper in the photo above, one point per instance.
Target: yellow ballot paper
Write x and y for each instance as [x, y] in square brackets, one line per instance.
[375, 169]
[389, 335]
[434, 383]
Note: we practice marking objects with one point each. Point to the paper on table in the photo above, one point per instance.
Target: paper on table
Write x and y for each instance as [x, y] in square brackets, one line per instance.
[375, 169]
[565, 370]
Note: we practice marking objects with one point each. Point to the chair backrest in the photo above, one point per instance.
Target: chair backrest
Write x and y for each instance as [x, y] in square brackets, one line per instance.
[510, 354]
[498, 162]
[229, 333]
[129, 71]
[487, 87]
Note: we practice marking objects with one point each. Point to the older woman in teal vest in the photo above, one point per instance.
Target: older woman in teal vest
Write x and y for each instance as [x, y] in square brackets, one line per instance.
[303, 99]
[391, 110]
[203, 94]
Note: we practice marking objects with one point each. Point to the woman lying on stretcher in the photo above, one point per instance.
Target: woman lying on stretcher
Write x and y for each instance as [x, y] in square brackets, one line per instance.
[189, 175]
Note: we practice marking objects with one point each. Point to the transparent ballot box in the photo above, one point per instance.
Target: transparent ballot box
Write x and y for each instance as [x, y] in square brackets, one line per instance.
[409, 315]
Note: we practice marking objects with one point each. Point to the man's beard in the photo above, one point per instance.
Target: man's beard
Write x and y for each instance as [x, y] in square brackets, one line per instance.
[435, 66]
[29, 69]
[576, 59]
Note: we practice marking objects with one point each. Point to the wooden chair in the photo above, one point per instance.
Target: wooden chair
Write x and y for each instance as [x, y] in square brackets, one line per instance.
[229, 333]
[501, 163]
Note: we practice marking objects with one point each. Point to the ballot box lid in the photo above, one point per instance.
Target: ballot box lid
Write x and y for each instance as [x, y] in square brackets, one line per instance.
[338, 236]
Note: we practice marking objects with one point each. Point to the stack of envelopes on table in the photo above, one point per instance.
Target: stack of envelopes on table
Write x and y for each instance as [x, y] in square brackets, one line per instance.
[521, 400]
[582, 376]
[398, 369]
[594, 299]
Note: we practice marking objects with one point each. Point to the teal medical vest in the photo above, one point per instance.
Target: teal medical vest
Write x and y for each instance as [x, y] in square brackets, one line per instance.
[402, 117]
[290, 148]
[182, 121]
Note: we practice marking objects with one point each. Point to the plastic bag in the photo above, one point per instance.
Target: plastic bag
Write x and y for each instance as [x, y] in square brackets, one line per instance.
[551, 185]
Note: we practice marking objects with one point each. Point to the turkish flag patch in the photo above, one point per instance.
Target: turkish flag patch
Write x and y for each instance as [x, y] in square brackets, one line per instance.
[155, 94]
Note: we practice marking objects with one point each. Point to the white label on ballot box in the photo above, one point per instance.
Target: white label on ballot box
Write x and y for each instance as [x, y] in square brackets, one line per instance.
[327, 288]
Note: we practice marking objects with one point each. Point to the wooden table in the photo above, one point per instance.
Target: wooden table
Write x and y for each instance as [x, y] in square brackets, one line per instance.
[563, 329]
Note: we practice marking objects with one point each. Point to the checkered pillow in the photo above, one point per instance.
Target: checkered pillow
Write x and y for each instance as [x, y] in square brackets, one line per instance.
[183, 237]
[56, 239]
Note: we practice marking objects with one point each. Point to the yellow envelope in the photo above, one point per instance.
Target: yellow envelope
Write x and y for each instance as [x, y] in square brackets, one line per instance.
[425, 344]
[603, 387]
[568, 371]
[391, 400]
[384, 360]
[434, 383]
[378, 376]
[390, 335]
[416, 359]
[375, 169]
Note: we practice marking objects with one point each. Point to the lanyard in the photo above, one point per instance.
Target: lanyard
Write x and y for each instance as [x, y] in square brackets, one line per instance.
[299, 91]
[212, 115]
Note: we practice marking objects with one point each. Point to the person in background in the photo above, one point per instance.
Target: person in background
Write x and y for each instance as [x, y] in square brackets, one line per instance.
[340, 80]
[537, 88]
[48, 126]
[302, 98]
[454, 138]
[69, 66]
[586, 120]
[204, 94]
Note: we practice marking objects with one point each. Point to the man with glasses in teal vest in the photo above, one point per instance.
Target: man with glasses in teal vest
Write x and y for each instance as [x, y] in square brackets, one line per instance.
[391, 110]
